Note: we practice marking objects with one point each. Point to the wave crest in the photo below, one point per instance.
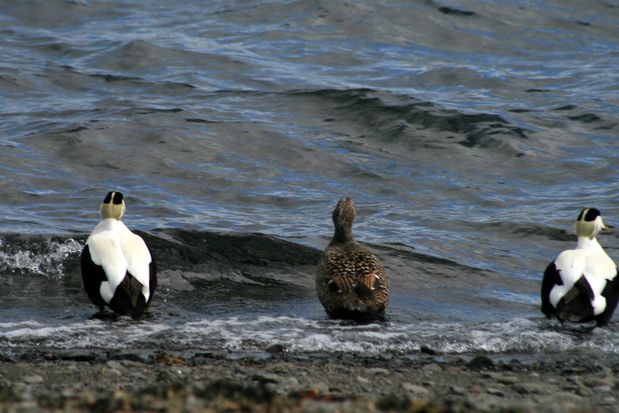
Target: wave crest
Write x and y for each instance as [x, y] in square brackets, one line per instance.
[37, 257]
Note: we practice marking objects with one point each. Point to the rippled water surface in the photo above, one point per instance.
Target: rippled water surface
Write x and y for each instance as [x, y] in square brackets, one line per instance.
[469, 134]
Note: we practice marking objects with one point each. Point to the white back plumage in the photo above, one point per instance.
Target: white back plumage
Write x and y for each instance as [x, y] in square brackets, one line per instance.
[588, 259]
[118, 250]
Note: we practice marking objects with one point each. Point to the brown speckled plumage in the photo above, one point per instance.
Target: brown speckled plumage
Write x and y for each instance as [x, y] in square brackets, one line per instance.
[351, 281]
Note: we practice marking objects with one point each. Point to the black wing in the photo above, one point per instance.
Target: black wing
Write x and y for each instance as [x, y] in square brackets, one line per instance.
[92, 276]
[551, 278]
[611, 293]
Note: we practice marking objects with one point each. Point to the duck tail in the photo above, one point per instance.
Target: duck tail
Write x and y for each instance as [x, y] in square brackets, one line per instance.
[575, 305]
[364, 292]
[369, 294]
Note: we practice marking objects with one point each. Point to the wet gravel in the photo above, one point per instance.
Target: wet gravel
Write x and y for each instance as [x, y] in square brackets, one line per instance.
[112, 382]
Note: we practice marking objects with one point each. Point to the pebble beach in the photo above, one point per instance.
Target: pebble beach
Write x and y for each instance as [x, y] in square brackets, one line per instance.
[86, 382]
[468, 133]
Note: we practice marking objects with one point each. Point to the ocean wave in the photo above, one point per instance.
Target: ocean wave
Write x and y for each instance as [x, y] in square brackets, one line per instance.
[299, 336]
[256, 266]
[173, 249]
[36, 256]
[398, 119]
[147, 56]
[228, 274]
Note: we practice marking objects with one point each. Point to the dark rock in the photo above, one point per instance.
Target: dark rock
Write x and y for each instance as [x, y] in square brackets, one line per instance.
[480, 363]
[427, 350]
[276, 348]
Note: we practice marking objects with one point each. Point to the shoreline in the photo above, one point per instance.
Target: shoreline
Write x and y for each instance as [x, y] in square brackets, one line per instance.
[280, 382]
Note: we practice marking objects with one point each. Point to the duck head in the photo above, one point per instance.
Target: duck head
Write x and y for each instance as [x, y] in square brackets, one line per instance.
[113, 206]
[589, 223]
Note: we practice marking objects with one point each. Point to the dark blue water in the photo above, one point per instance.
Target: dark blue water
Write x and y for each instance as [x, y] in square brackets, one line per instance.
[469, 135]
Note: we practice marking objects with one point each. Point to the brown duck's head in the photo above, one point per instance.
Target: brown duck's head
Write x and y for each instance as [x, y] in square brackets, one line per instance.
[113, 206]
[344, 214]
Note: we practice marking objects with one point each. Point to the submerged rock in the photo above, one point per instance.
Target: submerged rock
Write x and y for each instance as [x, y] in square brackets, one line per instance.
[480, 363]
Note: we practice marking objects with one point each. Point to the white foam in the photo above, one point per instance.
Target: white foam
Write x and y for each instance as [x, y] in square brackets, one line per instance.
[46, 260]
[80, 335]
[300, 335]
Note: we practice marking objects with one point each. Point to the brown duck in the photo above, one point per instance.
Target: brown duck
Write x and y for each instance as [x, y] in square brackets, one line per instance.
[351, 281]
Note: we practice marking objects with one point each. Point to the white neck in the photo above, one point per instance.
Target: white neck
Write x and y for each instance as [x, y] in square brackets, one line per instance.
[588, 243]
[110, 224]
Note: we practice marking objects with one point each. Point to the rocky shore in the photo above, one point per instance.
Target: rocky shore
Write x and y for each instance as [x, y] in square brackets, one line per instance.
[279, 382]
